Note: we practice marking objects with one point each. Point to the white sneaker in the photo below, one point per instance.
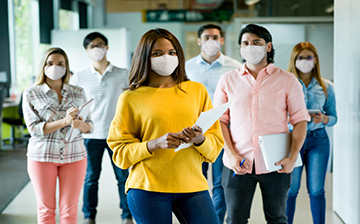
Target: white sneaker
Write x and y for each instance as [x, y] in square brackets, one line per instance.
[89, 221]
[127, 221]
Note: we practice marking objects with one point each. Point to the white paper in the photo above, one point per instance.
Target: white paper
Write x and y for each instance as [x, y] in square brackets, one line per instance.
[206, 120]
[84, 111]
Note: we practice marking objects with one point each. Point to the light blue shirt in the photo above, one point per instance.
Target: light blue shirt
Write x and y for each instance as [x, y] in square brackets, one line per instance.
[198, 70]
[315, 98]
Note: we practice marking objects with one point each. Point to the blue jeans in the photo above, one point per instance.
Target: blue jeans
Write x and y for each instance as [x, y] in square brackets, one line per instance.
[218, 197]
[315, 155]
[95, 149]
[154, 207]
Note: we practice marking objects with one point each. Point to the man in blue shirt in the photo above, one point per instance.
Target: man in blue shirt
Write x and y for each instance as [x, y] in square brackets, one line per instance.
[207, 69]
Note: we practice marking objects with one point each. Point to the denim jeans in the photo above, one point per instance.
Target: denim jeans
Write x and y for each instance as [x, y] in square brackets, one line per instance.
[239, 192]
[315, 155]
[218, 197]
[95, 149]
[154, 207]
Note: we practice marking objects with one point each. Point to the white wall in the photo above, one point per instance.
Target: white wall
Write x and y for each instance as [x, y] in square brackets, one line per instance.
[287, 34]
[72, 43]
[321, 35]
[97, 14]
[133, 22]
[346, 178]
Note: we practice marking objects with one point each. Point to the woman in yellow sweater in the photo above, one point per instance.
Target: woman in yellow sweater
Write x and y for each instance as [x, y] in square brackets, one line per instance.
[153, 118]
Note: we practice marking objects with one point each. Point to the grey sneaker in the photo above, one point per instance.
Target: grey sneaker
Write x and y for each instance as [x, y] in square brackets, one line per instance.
[89, 221]
[127, 221]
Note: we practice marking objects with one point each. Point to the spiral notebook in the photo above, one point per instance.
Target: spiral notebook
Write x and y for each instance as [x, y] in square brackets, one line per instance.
[276, 147]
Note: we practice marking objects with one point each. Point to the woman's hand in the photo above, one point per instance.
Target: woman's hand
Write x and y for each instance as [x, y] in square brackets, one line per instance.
[319, 117]
[77, 122]
[70, 115]
[167, 141]
[194, 135]
[80, 124]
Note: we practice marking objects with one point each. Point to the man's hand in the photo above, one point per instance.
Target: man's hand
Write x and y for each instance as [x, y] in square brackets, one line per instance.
[235, 161]
[287, 164]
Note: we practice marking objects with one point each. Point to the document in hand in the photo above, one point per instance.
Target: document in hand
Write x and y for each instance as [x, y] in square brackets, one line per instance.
[276, 147]
[206, 120]
[84, 111]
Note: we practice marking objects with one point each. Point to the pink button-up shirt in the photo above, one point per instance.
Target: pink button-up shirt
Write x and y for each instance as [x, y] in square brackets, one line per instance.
[259, 107]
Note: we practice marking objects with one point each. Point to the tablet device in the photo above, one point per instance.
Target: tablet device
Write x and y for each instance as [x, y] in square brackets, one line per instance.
[276, 147]
[313, 111]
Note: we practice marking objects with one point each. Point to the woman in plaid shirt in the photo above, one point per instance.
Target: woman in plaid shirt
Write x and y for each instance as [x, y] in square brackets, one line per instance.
[50, 109]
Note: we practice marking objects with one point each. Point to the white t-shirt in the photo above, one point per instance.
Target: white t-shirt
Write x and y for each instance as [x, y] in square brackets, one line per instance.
[105, 89]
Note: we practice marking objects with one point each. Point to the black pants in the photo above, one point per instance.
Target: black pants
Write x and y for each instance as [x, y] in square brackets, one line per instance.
[239, 192]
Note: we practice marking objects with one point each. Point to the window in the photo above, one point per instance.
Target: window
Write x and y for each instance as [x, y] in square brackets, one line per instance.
[23, 47]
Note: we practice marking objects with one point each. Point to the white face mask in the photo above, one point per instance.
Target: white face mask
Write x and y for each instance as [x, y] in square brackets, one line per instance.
[55, 72]
[97, 54]
[304, 65]
[253, 54]
[164, 65]
[210, 47]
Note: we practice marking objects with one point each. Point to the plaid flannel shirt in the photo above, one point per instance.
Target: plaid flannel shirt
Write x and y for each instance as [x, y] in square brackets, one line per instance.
[41, 105]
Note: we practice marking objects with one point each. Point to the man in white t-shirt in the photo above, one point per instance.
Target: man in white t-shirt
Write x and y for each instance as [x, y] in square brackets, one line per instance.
[103, 82]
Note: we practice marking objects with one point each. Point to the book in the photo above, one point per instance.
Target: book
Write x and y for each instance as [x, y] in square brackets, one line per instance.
[276, 147]
[83, 112]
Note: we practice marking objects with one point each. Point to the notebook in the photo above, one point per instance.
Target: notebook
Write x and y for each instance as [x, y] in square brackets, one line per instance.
[274, 148]
[84, 111]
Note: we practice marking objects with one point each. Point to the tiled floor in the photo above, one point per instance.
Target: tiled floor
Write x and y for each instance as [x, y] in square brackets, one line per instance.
[22, 210]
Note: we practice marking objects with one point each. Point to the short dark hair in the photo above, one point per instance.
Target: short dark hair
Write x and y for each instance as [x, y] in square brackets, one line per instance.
[261, 32]
[210, 26]
[92, 36]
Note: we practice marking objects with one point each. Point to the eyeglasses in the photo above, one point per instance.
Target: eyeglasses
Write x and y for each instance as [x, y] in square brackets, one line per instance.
[305, 57]
[99, 45]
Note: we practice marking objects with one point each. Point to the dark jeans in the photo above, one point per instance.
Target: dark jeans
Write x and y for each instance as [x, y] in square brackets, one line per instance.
[315, 155]
[239, 192]
[218, 197]
[156, 208]
[95, 149]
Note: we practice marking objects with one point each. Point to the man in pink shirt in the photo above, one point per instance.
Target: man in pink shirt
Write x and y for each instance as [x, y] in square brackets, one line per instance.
[264, 98]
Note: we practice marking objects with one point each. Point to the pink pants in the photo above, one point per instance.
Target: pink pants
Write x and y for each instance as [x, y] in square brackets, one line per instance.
[43, 176]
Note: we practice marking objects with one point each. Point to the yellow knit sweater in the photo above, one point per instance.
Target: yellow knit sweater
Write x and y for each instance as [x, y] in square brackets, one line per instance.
[148, 113]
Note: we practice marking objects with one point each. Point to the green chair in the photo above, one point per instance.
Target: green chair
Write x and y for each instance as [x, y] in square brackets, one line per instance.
[13, 117]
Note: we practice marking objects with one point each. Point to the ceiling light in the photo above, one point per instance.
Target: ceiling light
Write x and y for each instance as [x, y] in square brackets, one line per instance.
[329, 8]
[251, 2]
